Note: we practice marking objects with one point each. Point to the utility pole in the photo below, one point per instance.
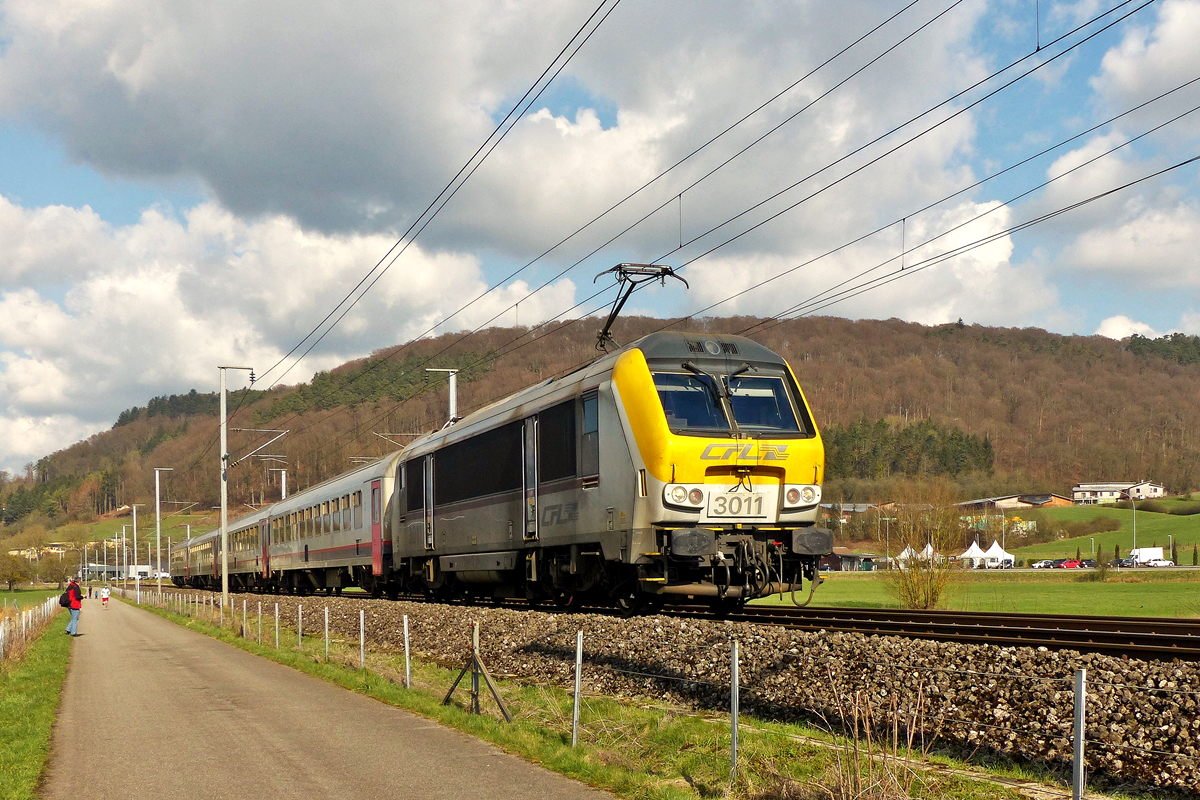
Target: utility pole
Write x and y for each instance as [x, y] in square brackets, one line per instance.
[135, 550]
[158, 526]
[453, 393]
[225, 487]
[283, 480]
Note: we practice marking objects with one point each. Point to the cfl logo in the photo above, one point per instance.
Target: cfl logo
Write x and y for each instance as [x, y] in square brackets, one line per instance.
[725, 452]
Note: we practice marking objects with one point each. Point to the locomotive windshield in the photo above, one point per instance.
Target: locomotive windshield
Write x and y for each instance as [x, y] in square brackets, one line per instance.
[703, 402]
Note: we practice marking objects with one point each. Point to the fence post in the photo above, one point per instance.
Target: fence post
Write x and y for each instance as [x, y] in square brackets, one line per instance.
[407, 664]
[362, 639]
[1080, 704]
[733, 711]
[475, 669]
[578, 671]
[300, 626]
[326, 633]
[245, 632]
[277, 626]
[260, 622]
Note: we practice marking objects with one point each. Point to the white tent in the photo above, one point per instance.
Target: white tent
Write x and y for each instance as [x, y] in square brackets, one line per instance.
[908, 554]
[997, 556]
[975, 555]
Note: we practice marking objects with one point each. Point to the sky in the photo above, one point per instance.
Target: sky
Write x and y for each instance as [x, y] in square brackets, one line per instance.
[184, 185]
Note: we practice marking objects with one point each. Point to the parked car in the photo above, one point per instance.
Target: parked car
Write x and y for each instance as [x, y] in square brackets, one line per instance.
[1123, 563]
[1160, 562]
[1087, 563]
[1070, 563]
[1058, 562]
[1045, 563]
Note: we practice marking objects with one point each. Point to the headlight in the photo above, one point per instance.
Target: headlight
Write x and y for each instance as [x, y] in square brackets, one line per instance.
[798, 496]
[679, 494]
[695, 497]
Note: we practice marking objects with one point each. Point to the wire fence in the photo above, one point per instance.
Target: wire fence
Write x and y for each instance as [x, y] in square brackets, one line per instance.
[20, 626]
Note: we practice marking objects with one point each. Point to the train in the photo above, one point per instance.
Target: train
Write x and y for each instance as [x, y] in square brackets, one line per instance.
[682, 467]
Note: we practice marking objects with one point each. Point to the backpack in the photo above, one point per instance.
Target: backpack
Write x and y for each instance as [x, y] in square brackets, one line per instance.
[64, 599]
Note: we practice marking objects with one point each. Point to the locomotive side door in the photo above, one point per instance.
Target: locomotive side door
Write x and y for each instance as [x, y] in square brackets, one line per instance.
[428, 512]
[376, 528]
[529, 475]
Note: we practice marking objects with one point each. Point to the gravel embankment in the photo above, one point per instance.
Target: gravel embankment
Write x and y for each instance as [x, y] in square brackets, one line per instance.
[1017, 701]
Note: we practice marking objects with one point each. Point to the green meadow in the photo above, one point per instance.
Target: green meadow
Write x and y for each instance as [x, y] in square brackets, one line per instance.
[1140, 593]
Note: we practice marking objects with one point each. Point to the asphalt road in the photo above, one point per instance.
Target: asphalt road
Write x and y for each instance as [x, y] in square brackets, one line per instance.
[152, 710]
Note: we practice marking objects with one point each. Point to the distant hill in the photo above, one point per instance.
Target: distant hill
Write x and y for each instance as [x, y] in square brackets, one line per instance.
[995, 409]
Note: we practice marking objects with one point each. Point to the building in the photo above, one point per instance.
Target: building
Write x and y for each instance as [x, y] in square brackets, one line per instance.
[1012, 501]
[1088, 494]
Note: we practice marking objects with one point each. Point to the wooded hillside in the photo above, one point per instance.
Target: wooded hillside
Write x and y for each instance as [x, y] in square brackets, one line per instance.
[1042, 410]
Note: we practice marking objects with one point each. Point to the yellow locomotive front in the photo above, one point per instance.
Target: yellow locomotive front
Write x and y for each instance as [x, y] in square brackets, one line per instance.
[729, 466]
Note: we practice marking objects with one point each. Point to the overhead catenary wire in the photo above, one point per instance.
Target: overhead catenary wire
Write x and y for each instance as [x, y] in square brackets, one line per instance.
[963, 224]
[497, 134]
[468, 167]
[990, 94]
[666, 171]
[876, 283]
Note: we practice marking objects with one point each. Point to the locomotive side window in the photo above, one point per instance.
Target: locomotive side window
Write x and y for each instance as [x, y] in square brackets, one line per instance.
[414, 480]
[487, 463]
[556, 442]
[589, 441]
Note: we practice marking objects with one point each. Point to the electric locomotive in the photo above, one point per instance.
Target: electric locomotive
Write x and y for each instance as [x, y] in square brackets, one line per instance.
[683, 466]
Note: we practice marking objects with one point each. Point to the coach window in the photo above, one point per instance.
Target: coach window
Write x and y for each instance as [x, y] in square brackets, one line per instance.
[326, 523]
[589, 440]
[356, 505]
[556, 442]
[335, 511]
[347, 523]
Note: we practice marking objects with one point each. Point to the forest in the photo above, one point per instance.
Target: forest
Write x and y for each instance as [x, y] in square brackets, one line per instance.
[991, 410]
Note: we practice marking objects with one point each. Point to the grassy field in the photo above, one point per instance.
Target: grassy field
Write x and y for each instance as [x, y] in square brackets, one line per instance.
[26, 597]
[1153, 530]
[29, 692]
[172, 526]
[1137, 594]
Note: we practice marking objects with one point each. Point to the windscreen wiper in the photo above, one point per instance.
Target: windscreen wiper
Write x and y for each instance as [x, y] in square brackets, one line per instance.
[718, 388]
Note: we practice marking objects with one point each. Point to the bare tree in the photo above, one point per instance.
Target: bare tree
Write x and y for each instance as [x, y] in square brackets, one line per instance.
[928, 533]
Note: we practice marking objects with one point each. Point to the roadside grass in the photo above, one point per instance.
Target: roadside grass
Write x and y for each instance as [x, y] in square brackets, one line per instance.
[642, 750]
[1131, 593]
[29, 694]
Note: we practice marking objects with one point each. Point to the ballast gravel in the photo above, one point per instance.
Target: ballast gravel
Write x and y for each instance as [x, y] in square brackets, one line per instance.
[1143, 720]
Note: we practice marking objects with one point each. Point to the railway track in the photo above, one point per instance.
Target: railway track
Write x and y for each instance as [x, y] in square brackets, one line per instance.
[1151, 638]
[1155, 638]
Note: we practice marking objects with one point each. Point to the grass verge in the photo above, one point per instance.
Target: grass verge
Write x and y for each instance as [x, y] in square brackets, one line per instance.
[636, 751]
[29, 694]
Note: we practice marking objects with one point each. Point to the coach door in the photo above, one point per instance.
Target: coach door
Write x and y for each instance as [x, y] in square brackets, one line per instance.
[264, 545]
[529, 453]
[376, 528]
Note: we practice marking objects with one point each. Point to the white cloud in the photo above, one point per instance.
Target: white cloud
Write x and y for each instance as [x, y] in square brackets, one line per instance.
[174, 298]
[1122, 327]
